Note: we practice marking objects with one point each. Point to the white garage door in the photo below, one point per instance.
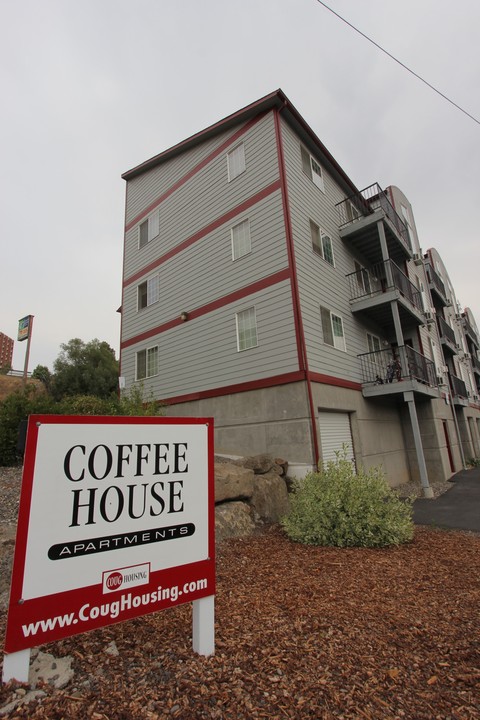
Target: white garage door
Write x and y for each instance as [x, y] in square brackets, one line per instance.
[335, 432]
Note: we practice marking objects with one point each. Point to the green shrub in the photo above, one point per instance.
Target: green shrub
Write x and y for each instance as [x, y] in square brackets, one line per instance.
[337, 507]
[19, 405]
[15, 409]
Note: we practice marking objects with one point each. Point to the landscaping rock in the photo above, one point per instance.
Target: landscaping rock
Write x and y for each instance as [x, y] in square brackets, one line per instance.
[232, 482]
[233, 519]
[270, 499]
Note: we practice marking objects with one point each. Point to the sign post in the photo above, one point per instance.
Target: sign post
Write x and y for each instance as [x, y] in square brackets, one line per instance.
[25, 330]
[116, 520]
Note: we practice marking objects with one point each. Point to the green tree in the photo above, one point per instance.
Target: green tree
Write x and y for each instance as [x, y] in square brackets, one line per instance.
[41, 372]
[85, 369]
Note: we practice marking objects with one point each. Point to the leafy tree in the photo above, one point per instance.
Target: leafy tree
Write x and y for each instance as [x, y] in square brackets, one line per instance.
[41, 372]
[85, 369]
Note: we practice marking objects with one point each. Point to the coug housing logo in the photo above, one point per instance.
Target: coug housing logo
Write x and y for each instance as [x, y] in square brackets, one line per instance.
[128, 577]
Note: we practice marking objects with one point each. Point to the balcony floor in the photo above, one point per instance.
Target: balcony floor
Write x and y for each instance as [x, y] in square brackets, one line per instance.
[378, 308]
[420, 390]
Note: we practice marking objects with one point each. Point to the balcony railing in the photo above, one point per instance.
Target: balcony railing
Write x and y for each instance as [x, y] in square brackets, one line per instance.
[381, 277]
[476, 364]
[404, 363]
[470, 331]
[368, 201]
[435, 280]
[459, 389]
[445, 330]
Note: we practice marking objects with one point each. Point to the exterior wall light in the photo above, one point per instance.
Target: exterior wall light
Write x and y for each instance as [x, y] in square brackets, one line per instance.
[183, 316]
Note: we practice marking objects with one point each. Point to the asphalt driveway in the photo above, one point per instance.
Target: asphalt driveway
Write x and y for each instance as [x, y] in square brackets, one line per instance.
[458, 508]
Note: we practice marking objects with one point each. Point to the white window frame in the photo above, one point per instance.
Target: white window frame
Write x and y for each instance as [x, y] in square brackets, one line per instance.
[338, 341]
[153, 292]
[153, 229]
[242, 329]
[319, 239]
[313, 169]
[149, 352]
[241, 239]
[363, 278]
[376, 357]
[236, 164]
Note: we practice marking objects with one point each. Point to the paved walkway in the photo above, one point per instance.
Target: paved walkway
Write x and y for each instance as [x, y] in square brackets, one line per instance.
[458, 508]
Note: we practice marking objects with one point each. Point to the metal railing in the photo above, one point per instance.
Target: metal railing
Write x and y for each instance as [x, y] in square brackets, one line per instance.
[435, 280]
[469, 330]
[381, 277]
[404, 363]
[366, 202]
[459, 389]
[446, 331]
[476, 363]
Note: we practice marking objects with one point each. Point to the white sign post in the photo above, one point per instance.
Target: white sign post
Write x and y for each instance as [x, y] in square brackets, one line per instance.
[116, 520]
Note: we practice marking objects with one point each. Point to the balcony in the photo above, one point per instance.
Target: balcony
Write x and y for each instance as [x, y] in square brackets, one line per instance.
[437, 288]
[447, 337]
[358, 218]
[373, 289]
[459, 391]
[470, 332]
[386, 374]
[476, 365]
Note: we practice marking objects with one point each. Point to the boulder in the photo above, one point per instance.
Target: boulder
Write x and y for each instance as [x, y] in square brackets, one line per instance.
[270, 500]
[260, 464]
[232, 482]
[233, 519]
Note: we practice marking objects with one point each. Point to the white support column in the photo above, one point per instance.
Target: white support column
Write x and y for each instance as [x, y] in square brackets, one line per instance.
[203, 630]
[410, 400]
[16, 666]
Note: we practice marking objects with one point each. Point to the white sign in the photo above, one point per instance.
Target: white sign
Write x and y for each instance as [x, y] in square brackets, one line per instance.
[116, 520]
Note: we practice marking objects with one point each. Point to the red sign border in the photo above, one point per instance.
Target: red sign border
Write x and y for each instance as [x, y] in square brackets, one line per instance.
[23, 612]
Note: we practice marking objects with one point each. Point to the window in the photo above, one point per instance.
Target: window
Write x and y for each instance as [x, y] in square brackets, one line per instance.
[321, 243]
[374, 344]
[236, 162]
[363, 280]
[148, 229]
[241, 242]
[351, 211]
[312, 169]
[246, 329]
[332, 327]
[148, 292]
[147, 363]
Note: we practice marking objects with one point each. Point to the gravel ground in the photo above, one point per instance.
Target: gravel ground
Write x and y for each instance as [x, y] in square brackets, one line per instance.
[301, 633]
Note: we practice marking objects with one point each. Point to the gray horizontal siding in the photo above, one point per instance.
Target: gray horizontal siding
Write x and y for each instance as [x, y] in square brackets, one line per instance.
[202, 354]
[319, 282]
[146, 188]
[206, 272]
[203, 198]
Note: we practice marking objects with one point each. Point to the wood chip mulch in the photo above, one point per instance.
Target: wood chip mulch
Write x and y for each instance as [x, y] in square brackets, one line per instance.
[301, 632]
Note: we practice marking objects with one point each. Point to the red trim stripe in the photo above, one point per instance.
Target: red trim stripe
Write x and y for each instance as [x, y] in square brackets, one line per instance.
[221, 148]
[284, 379]
[297, 312]
[337, 382]
[297, 376]
[258, 197]
[211, 306]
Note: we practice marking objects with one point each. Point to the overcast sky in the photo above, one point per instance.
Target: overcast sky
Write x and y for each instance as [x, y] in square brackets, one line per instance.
[92, 88]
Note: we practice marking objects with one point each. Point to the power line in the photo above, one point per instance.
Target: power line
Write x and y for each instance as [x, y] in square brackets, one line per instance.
[400, 63]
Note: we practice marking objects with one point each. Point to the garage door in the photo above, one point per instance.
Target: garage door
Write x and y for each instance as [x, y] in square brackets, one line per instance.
[335, 432]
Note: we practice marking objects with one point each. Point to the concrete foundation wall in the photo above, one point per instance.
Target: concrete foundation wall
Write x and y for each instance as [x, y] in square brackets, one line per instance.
[273, 420]
[376, 430]
[431, 416]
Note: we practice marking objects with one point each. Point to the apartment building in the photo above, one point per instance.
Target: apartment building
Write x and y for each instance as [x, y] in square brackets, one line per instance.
[263, 289]
[6, 351]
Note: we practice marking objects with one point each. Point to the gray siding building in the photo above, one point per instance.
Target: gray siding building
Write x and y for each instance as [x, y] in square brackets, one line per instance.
[262, 288]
